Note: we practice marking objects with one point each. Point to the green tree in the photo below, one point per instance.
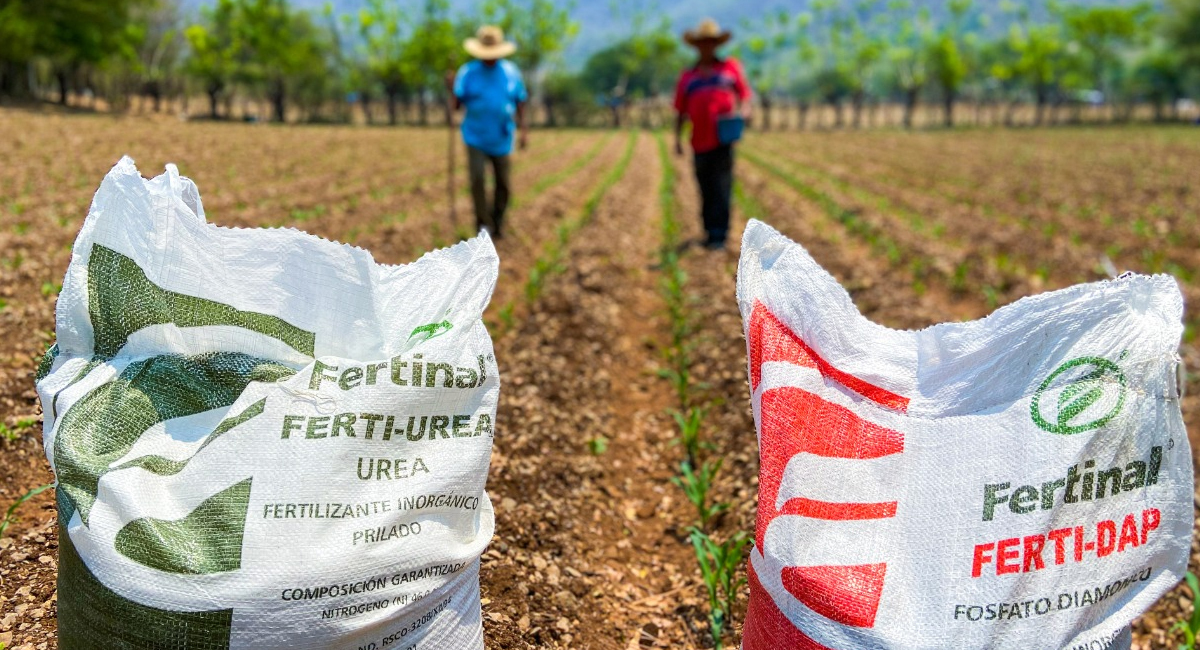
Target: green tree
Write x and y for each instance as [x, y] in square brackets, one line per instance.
[435, 46]
[906, 57]
[1159, 77]
[643, 66]
[762, 55]
[947, 63]
[279, 50]
[213, 59]
[569, 100]
[807, 56]
[1039, 52]
[383, 29]
[1102, 34]
[1181, 24]
[18, 40]
[542, 29]
[74, 36]
[159, 52]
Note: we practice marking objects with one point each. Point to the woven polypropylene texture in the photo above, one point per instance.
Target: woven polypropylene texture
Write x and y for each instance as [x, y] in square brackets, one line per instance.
[264, 439]
[1021, 482]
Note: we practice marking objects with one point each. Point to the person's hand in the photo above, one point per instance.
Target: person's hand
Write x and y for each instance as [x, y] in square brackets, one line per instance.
[678, 148]
[523, 140]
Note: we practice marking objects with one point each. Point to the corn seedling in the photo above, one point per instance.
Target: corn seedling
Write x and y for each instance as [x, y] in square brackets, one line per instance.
[10, 516]
[506, 315]
[51, 289]
[598, 445]
[697, 486]
[1191, 627]
[719, 568]
[689, 422]
[18, 428]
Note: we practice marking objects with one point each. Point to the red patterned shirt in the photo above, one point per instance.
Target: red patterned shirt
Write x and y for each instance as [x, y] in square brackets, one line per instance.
[707, 94]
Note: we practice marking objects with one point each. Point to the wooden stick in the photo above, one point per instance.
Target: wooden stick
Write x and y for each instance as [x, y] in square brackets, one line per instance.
[450, 176]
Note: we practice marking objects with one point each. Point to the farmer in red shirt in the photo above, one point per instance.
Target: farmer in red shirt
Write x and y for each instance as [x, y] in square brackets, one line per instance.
[715, 97]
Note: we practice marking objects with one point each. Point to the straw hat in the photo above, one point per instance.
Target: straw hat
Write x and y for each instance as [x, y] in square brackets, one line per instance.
[489, 44]
[708, 30]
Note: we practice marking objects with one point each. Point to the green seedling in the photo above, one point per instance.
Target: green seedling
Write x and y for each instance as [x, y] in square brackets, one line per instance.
[958, 281]
[679, 376]
[1191, 627]
[719, 568]
[305, 215]
[697, 486]
[10, 516]
[506, 315]
[3, 304]
[19, 427]
[598, 445]
[689, 423]
[991, 296]
[51, 289]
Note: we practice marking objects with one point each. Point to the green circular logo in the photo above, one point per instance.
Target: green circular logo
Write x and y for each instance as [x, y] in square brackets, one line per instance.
[1083, 382]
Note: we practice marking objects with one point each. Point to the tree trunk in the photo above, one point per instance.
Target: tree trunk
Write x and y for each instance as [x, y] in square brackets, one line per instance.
[766, 110]
[551, 118]
[366, 107]
[391, 107]
[213, 100]
[856, 103]
[61, 76]
[423, 110]
[910, 106]
[1040, 113]
[1010, 113]
[948, 110]
[279, 104]
[803, 115]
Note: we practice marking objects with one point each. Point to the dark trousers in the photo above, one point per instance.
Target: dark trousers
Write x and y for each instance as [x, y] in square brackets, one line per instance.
[489, 216]
[714, 174]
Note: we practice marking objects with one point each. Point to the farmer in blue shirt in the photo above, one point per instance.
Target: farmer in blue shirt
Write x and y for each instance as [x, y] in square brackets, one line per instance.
[494, 94]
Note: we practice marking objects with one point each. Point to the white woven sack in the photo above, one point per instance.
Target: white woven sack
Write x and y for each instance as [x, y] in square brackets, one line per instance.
[1021, 482]
[264, 439]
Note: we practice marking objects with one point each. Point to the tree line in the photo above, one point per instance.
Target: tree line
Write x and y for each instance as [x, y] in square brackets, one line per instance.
[1000, 55]
[390, 56]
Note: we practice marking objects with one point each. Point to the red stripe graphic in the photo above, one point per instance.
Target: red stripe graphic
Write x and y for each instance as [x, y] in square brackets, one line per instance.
[795, 421]
[814, 509]
[846, 594]
[771, 340]
[767, 628]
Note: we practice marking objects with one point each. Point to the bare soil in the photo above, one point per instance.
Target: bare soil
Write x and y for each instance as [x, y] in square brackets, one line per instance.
[591, 547]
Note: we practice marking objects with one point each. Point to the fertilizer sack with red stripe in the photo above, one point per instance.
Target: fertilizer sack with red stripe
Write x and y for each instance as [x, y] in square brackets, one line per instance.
[264, 439]
[1019, 482]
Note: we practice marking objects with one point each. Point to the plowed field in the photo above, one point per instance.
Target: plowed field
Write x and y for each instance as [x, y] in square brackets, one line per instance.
[591, 548]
